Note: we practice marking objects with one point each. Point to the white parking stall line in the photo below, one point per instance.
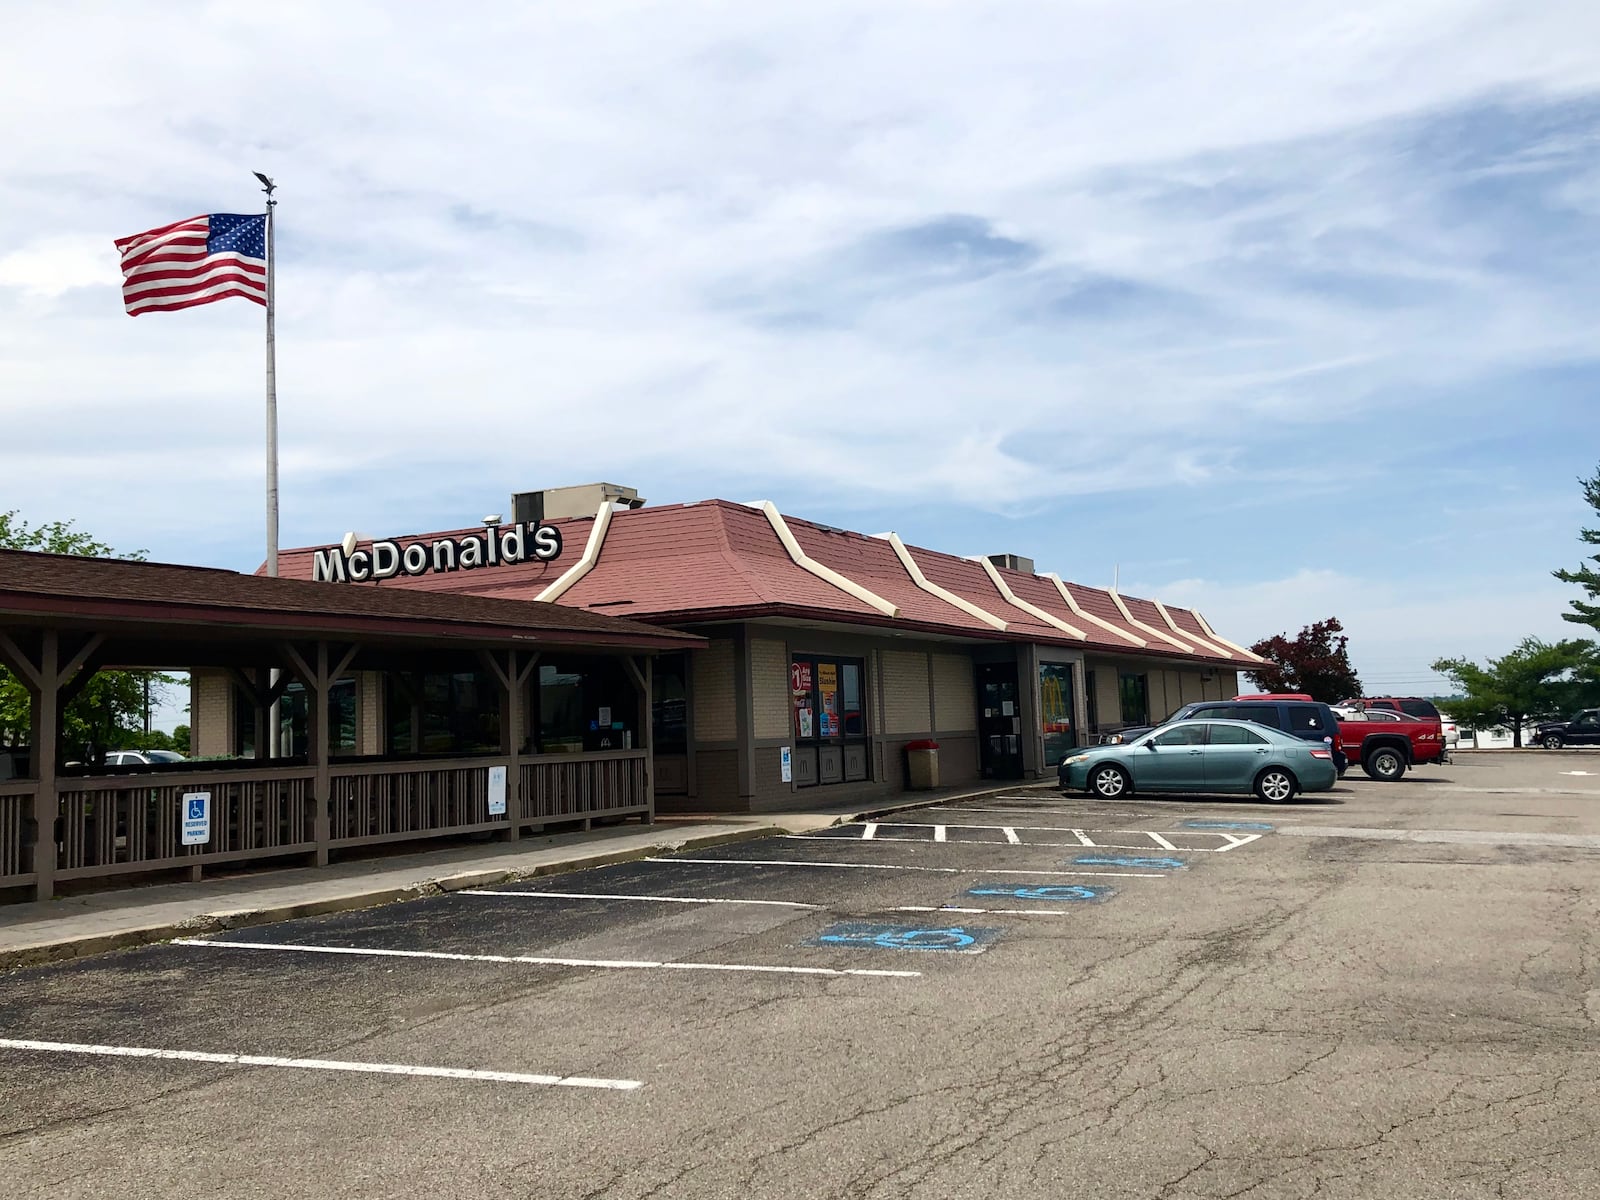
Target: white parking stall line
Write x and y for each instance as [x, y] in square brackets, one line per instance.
[1159, 840]
[1078, 845]
[1011, 835]
[649, 899]
[320, 1064]
[938, 833]
[1083, 838]
[996, 912]
[1235, 840]
[870, 832]
[619, 964]
[800, 862]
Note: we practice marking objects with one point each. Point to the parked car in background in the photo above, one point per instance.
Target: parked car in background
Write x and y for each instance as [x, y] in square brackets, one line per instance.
[1580, 730]
[1309, 720]
[1203, 756]
[138, 758]
[1386, 743]
[1411, 706]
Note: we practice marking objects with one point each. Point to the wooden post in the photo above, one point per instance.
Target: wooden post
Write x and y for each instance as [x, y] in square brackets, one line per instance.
[46, 735]
[647, 739]
[317, 729]
[643, 679]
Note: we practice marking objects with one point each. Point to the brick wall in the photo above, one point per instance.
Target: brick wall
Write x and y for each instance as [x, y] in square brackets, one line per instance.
[210, 714]
[769, 690]
[714, 707]
[905, 692]
[369, 713]
[955, 694]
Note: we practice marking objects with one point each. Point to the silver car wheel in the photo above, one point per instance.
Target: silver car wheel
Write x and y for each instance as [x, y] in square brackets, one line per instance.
[1108, 783]
[1276, 786]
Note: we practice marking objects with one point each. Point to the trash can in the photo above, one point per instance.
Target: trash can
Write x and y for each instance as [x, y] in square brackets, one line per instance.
[922, 765]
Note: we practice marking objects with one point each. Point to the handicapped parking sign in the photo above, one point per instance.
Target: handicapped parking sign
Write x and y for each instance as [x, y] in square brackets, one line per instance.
[958, 938]
[1157, 863]
[1056, 892]
[196, 818]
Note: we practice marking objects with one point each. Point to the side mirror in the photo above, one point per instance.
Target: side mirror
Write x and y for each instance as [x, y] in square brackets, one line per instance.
[1149, 745]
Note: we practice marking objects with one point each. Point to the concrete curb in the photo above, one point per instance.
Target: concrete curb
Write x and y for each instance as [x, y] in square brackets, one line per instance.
[63, 949]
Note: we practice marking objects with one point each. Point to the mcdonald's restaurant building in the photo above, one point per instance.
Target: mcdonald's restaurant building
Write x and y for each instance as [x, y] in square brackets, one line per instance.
[827, 652]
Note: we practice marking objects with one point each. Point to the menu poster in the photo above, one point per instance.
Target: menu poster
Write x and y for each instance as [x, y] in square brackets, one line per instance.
[828, 690]
[799, 677]
[804, 717]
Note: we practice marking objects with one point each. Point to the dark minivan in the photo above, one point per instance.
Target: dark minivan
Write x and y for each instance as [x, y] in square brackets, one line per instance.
[1311, 720]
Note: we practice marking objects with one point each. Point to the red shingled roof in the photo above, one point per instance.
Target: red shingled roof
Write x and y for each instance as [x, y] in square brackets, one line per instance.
[715, 559]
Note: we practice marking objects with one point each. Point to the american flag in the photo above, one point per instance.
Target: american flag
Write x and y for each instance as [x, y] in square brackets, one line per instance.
[196, 261]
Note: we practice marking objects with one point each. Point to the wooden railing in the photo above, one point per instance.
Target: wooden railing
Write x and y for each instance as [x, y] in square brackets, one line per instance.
[555, 787]
[134, 822]
[110, 825]
[16, 805]
[389, 802]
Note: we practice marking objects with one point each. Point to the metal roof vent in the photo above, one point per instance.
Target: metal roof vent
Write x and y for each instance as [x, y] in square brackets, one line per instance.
[1012, 562]
[553, 504]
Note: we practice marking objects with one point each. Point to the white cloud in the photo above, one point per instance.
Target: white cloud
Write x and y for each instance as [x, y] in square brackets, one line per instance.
[1396, 629]
[508, 238]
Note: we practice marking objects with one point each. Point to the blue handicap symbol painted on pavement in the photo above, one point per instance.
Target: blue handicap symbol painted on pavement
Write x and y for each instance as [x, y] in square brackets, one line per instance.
[959, 938]
[1229, 825]
[1071, 891]
[1117, 860]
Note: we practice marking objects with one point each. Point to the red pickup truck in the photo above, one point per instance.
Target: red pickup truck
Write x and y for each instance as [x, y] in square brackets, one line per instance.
[1387, 743]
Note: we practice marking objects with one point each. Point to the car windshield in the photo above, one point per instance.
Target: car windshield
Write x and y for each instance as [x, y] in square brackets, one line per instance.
[163, 756]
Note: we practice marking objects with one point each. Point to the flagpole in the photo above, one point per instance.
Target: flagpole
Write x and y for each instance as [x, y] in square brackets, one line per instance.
[274, 728]
[272, 391]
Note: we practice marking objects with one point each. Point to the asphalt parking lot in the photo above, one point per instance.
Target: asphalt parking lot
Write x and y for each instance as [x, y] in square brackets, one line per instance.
[1384, 991]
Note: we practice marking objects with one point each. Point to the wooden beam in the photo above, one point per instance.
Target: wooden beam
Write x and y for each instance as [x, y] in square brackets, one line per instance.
[487, 658]
[299, 665]
[638, 676]
[20, 662]
[527, 669]
[90, 645]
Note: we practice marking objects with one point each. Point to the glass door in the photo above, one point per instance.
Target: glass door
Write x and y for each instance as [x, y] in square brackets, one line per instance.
[999, 721]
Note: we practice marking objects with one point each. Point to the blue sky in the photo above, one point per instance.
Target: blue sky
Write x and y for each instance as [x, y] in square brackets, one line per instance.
[1280, 314]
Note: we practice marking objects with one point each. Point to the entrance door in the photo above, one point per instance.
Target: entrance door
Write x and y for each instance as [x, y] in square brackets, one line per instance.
[999, 721]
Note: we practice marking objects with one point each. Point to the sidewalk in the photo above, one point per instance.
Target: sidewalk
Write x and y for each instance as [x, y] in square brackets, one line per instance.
[76, 926]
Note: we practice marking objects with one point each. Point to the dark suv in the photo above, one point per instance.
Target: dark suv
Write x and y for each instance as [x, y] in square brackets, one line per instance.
[1311, 720]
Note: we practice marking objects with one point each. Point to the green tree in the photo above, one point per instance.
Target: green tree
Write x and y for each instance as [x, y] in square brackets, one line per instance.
[1537, 679]
[1587, 577]
[1316, 662]
[110, 708]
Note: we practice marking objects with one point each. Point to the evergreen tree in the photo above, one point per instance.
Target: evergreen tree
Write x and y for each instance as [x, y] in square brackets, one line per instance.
[1584, 612]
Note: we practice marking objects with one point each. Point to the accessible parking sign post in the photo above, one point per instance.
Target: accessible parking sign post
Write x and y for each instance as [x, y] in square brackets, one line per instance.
[196, 818]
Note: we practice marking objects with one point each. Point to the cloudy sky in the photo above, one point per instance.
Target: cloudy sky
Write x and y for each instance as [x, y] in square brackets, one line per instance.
[1284, 311]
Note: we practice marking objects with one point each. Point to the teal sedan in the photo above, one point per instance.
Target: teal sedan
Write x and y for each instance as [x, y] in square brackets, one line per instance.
[1203, 756]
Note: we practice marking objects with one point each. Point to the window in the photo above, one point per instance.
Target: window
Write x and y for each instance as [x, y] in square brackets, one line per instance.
[1261, 714]
[1182, 735]
[827, 698]
[1135, 698]
[669, 705]
[292, 712]
[1055, 711]
[1305, 719]
[456, 713]
[1234, 735]
[585, 704]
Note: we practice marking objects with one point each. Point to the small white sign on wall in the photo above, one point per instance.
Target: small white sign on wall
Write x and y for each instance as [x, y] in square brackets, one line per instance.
[497, 791]
[196, 818]
[786, 764]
